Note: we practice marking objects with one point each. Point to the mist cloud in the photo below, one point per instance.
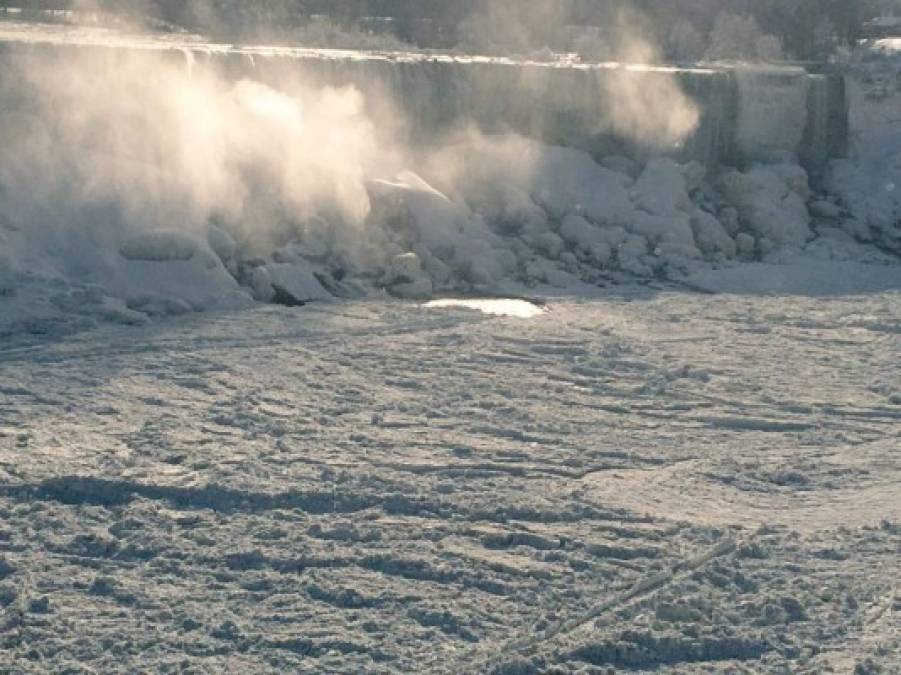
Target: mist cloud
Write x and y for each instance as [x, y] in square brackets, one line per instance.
[164, 145]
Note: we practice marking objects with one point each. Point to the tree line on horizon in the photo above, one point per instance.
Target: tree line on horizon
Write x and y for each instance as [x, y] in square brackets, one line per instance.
[797, 24]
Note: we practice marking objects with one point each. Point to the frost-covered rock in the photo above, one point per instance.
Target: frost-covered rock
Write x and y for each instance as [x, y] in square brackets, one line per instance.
[405, 278]
[440, 274]
[871, 191]
[486, 266]
[745, 245]
[447, 229]
[569, 181]
[589, 240]
[221, 243]
[114, 310]
[7, 276]
[822, 208]
[661, 189]
[317, 239]
[663, 218]
[559, 180]
[632, 255]
[158, 305]
[404, 267]
[541, 271]
[694, 174]
[728, 217]
[159, 246]
[548, 243]
[656, 229]
[794, 176]
[295, 283]
[711, 237]
[511, 210]
[622, 165]
[768, 204]
[261, 283]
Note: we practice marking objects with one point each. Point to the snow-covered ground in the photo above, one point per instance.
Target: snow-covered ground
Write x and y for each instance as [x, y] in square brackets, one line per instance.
[644, 479]
[683, 454]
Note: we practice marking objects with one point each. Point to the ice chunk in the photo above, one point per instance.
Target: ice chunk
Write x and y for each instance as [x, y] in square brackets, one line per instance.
[591, 241]
[745, 245]
[406, 279]
[768, 205]
[296, 283]
[159, 245]
[624, 165]
[712, 238]
[548, 244]
[158, 305]
[222, 243]
[825, 209]
[568, 181]
[661, 189]
[261, 283]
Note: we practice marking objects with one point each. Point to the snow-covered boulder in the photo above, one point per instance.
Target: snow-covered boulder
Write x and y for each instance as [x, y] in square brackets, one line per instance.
[622, 165]
[423, 216]
[548, 243]
[159, 246]
[509, 209]
[745, 245]
[661, 189]
[711, 237]
[795, 177]
[416, 210]
[768, 204]
[295, 283]
[589, 240]
[559, 180]
[7, 279]
[632, 255]
[405, 278]
[565, 181]
[871, 191]
[729, 219]
[221, 243]
[667, 234]
[261, 283]
[576, 231]
[158, 305]
[822, 208]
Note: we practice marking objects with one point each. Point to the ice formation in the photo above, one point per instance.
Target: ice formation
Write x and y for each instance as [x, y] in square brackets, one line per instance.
[125, 199]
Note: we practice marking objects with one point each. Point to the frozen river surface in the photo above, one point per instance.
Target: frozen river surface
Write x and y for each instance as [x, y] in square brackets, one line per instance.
[643, 480]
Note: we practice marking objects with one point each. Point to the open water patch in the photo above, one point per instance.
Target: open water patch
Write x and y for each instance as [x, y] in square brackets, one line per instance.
[518, 308]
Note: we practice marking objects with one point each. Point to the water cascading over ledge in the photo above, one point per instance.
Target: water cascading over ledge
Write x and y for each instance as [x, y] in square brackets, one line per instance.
[744, 114]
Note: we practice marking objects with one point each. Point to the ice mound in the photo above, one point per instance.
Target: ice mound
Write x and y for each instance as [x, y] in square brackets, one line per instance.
[868, 183]
[482, 213]
[292, 283]
[453, 242]
[871, 191]
[406, 278]
[159, 246]
[771, 203]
